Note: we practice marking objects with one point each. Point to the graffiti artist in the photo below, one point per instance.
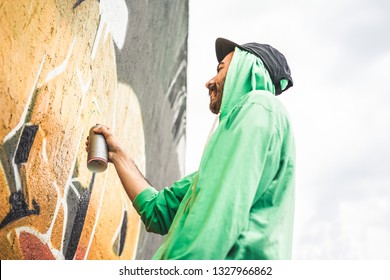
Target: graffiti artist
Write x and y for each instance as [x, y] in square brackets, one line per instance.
[240, 202]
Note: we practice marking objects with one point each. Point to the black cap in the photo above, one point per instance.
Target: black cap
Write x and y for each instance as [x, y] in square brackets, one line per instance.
[274, 61]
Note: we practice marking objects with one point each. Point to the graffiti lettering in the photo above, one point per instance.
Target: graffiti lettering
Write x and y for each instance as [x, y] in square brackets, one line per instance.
[19, 209]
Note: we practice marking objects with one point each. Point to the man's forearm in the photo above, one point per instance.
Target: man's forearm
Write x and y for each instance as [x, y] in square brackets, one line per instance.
[132, 179]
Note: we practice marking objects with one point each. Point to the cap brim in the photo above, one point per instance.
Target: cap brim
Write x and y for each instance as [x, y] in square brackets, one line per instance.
[223, 47]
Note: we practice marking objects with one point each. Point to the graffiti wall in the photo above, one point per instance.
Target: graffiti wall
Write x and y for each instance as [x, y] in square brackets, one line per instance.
[65, 66]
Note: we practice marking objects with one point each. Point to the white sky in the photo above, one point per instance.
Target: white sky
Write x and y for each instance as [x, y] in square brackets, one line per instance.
[339, 55]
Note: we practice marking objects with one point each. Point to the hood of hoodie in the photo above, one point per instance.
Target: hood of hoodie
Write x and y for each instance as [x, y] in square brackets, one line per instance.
[246, 73]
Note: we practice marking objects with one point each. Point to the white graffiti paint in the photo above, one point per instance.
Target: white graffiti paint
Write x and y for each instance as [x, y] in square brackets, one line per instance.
[44, 153]
[72, 186]
[113, 19]
[65, 205]
[25, 111]
[57, 210]
[61, 68]
[83, 85]
[69, 180]
[97, 39]
[115, 14]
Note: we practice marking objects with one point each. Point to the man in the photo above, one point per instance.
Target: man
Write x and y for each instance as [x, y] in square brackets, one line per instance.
[240, 203]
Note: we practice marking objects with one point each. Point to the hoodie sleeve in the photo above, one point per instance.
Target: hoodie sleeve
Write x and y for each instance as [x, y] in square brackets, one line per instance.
[240, 160]
[158, 208]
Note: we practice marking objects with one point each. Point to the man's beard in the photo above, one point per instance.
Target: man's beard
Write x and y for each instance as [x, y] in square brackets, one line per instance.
[216, 98]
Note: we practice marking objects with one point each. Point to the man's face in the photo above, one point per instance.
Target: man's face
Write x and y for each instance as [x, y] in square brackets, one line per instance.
[216, 84]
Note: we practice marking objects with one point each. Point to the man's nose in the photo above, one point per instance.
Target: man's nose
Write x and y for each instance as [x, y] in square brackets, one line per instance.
[209, 83]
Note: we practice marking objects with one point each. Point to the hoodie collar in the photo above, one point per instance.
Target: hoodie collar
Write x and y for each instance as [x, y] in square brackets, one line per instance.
[246, 73]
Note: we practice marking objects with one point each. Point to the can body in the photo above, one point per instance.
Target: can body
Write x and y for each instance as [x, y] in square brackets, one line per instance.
[97, 152]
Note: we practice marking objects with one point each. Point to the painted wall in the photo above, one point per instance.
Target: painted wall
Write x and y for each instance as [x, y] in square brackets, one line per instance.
[65, 66]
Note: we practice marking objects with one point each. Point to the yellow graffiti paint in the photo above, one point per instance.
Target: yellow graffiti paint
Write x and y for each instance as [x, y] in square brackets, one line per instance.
[57, 81]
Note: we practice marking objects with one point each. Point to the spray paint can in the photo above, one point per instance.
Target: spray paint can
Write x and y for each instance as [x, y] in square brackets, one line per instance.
[97, 152]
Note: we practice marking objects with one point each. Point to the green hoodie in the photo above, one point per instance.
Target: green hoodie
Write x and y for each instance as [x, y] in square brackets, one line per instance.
[240, 203]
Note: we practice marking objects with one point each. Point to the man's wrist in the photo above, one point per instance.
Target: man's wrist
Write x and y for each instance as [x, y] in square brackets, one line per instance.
[119, 156]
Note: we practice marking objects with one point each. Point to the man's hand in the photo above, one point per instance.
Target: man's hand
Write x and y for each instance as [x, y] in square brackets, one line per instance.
[114, 147]
[132, 179]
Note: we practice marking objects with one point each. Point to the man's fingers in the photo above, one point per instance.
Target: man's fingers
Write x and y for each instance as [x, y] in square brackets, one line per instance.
[101, 129]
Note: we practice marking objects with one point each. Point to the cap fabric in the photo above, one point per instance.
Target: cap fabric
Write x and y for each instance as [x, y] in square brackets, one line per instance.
[274, 61]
